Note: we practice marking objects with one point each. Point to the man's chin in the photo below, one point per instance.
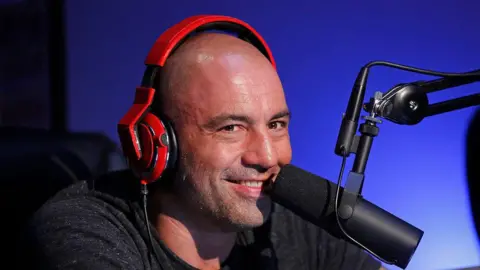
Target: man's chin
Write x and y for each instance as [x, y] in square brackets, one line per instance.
[256, 216]
[243, 226]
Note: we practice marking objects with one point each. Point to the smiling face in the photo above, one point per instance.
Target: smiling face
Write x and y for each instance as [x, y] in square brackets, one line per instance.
[231, 120]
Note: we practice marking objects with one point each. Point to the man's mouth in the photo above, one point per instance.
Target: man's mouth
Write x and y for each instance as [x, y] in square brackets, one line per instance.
[252, 188]
[249, 183]
[264, 184]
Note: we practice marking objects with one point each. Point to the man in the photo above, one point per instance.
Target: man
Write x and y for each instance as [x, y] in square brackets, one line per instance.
[231, 119]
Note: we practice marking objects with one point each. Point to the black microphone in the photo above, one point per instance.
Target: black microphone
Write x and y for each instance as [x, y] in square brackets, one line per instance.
[313, 198]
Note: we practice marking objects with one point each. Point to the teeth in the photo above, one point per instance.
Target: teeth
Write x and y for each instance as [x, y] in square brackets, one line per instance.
[251, 183]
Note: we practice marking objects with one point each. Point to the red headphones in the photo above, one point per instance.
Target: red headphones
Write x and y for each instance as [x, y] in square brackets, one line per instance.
[148, 141]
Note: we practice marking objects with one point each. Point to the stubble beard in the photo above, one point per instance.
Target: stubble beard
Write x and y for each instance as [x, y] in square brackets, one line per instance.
[217, 207]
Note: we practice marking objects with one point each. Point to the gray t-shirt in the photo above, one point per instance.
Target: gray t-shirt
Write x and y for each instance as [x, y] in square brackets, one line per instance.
[102, 227]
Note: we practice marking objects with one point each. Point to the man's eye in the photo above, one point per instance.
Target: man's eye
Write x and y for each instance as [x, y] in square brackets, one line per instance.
[229, 128]
[277, 125]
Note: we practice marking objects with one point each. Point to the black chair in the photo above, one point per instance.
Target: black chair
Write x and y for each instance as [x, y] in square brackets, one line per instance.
[36, 164]
[95, 149]
[473, 167]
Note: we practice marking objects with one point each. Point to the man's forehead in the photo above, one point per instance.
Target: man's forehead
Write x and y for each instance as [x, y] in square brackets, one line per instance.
[231, 78]
[235, 88]
[257, 106]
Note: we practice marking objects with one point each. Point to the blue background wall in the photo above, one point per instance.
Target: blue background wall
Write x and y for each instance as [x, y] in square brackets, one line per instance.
[415, 172]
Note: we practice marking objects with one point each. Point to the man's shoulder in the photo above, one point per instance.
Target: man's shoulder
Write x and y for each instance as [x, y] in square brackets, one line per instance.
[86, 209]
[84, 220]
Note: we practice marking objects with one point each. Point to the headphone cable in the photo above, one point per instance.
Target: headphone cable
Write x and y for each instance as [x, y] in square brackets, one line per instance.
[144, 191]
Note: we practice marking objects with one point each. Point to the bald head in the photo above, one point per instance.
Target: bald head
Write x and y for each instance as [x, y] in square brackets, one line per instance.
[205, 47]
[205, 59]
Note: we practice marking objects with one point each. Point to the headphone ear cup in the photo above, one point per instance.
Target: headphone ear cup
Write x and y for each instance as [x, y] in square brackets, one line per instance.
[155, 139]
[145, 141]
[172, 144]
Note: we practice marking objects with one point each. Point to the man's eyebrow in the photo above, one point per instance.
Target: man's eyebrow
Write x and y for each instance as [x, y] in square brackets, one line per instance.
[282, 114]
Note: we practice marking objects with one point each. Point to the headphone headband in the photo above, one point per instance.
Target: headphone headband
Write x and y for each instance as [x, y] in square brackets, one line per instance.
[177, 34]
[151, 151]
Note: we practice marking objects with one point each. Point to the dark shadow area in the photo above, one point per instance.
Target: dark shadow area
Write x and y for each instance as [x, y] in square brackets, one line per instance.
[473, 167]
[25, 69]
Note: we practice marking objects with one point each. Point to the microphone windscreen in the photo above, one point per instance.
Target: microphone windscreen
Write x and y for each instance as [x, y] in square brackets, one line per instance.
[309, 196]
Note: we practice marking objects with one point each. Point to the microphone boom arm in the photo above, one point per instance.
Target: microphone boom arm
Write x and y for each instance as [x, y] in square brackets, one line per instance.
[447, 83]
[405, 104]
[453, 105]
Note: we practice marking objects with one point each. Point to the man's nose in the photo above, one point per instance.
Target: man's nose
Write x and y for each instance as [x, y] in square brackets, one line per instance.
[261, 152]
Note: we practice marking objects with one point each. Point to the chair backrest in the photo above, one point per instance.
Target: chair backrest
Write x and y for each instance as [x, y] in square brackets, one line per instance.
[95, 149]
[473, 167]
[36, 164]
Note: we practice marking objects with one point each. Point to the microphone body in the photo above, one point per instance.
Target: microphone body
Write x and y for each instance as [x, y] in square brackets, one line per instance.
[313, 198]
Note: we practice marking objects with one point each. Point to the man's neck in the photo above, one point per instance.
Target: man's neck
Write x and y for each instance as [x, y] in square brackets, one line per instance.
[184, 235]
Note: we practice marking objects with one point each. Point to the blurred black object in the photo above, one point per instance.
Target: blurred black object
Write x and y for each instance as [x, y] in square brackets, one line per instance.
[473, 167]
[92, 148]
[35, 164]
